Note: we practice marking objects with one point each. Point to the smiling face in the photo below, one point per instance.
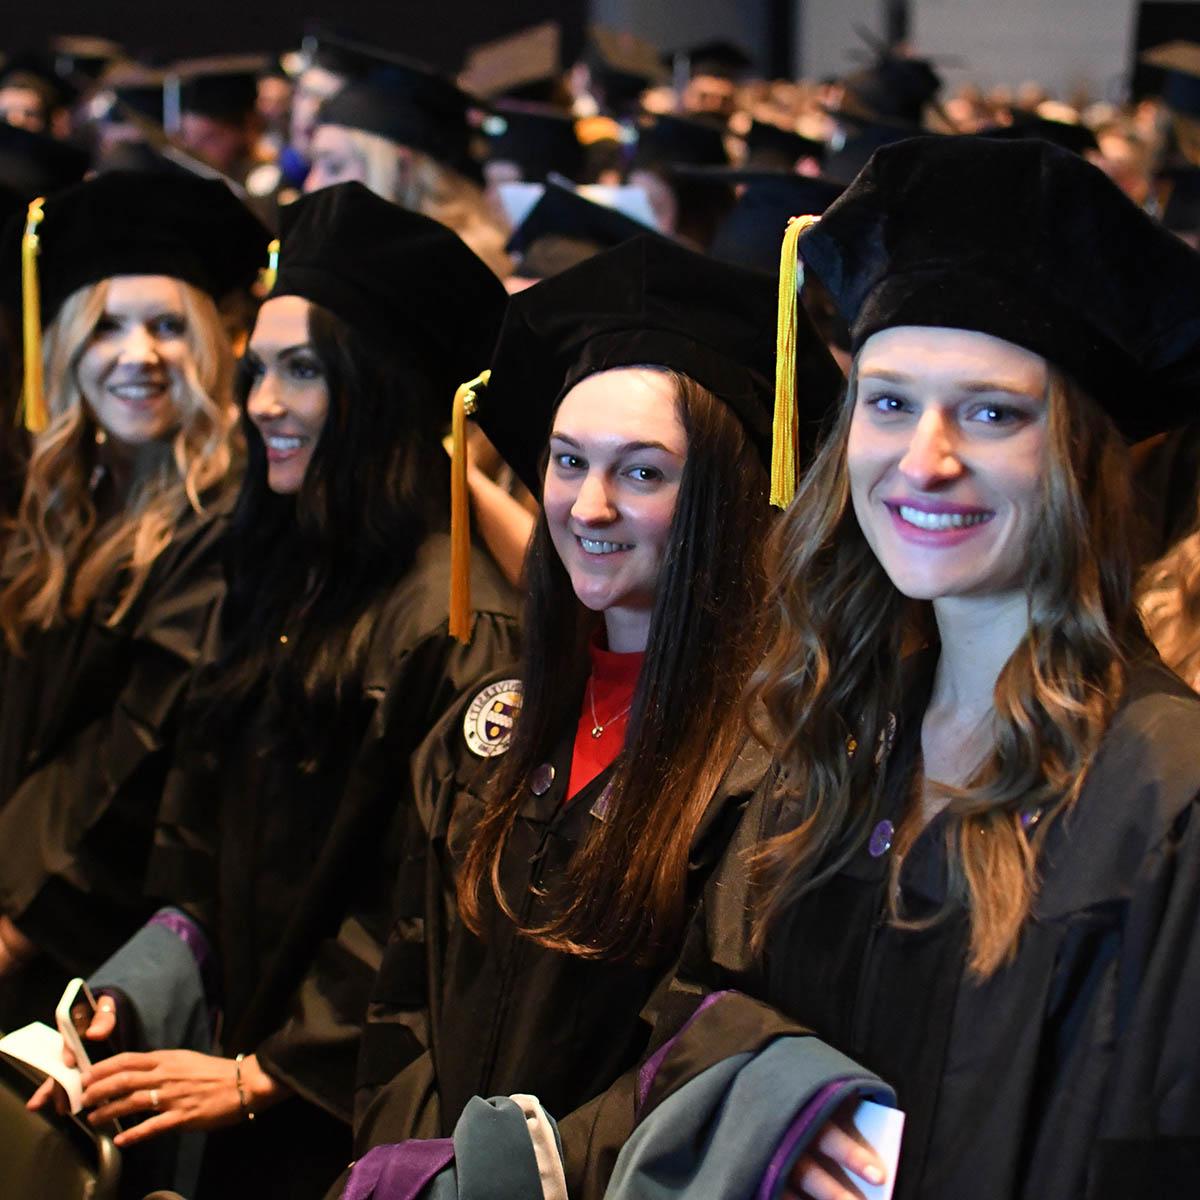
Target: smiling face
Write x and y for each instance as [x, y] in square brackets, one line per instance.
[133, 369]
[946, 455]
[289, 396]
[617, 453]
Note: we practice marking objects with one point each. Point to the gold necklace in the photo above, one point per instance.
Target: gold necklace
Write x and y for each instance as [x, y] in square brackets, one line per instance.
[597, 728]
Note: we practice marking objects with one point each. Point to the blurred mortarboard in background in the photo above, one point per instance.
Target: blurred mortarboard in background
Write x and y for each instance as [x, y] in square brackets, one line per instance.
[863, 139]
[35, 70]
[717, 57]
[541, 140]
[412, 105]
[893, 88]
[1180, 88]
[1181, 204]
[126, 87]
[753, 232]
[623, 66]
[771, 147]
[563, 229]
[666, 140]
[523, 66]
[81, 56]
[224, 88]
[35, 164]
[338, 52]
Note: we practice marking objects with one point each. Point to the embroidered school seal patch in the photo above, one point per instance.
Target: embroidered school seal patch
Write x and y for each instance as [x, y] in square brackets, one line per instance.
[488, 724]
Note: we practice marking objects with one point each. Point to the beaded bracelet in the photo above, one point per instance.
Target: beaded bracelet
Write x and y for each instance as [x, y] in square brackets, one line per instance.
[242, 1098]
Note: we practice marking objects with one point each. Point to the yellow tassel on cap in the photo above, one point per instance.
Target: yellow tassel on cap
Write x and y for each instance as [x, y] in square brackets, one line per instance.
[783, 441]
[33, 394]
[269, 273]
[460, 509]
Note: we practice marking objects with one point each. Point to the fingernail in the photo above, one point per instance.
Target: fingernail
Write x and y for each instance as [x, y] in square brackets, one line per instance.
[873, 1174]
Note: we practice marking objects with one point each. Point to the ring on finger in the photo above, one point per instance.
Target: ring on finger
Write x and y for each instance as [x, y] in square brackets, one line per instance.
[154, 1099]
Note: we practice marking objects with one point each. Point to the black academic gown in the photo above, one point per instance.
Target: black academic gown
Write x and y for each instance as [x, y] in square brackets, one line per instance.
[501, 1015]
[88, 717]
[290, 870]
[1073, 1072]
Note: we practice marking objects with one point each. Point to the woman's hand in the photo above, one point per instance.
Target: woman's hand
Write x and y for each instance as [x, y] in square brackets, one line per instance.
[828, 1171]
[15, 948]
[102, 1027]
[180, 1088]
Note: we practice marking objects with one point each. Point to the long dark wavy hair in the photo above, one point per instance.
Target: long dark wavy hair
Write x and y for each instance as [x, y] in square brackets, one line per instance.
[626, 886]
[833, 676]
[308, 573]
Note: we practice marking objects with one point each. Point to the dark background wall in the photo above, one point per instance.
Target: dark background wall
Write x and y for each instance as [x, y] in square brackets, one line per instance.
[438, 31]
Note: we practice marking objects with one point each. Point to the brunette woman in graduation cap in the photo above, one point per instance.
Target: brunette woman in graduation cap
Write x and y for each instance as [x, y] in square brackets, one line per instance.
[576, 804]
[111, 571]
[276, 833]
[976, 869]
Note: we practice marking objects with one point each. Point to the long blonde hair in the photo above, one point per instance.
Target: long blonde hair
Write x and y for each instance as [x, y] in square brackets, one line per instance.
[833, 680]
[60, 557]
[417, 182]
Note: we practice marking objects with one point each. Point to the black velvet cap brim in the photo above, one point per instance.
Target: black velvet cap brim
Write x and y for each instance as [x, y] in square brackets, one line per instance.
[142, 223]
[403, 281]
[648, 302]
[1029, 243]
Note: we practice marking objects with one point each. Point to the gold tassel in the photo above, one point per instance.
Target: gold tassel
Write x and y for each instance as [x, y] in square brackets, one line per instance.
[33, 393]
[783, 441]
[465, 404]
[270, 273]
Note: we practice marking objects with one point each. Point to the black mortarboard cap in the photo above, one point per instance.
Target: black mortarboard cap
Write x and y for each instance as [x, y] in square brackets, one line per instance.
[564, 228]
[338, 52]
[402, 280]
[865, 137]
[1029, 243]
[667, 140]
[770, 146]
[525, 65]
[1180, 88]
[84, 56]
[224, 88]
[623, 65]
[1079, 139]
[133, 87]
[539, 139]
[411, 105]
[717, 57]
[35, 69]
[752, 233]
[35, 164]
[649, 301]
[1181, 207]
[892, 88]
[130, 223]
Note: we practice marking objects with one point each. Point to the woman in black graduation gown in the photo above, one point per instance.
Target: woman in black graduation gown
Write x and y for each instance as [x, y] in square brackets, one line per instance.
[336, 661]
[632, 394]
[111, 571]
[977, 870]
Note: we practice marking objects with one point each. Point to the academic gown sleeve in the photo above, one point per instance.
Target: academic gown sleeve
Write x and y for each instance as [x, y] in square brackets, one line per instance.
[78, 827]
[1149, 1141]
[316, 1048]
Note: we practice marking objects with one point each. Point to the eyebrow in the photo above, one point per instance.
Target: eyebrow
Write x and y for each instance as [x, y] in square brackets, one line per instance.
[284, 354]
[626, 448]
[984, 387]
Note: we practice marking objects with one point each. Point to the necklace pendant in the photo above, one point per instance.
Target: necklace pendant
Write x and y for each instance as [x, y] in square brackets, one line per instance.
[597, 731]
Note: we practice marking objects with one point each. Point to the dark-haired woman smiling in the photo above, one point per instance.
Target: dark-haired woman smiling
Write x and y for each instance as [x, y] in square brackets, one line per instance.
[336, 660]
[633, 394]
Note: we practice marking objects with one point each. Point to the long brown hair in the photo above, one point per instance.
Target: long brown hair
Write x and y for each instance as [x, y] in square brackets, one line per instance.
[832, 678]
[1170, 604]
[627, 883]
[60, 556]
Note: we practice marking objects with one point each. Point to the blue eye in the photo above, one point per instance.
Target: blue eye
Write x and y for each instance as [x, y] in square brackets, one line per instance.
[886, 404]
[646, 474]
[997, 414]
[304, 369]
[170, 325]
[569, 462]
